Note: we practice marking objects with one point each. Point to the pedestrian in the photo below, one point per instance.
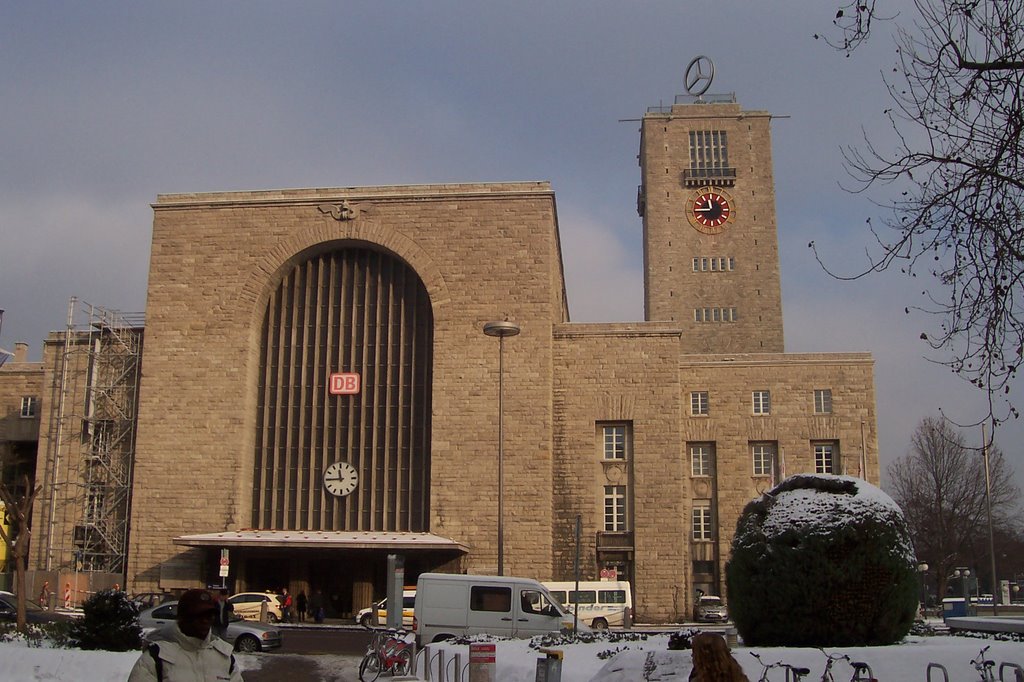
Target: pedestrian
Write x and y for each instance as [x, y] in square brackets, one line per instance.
[286, 605]
[222, 617]
[67, 595]
[187, 650]
[300, 606]
[44, 595]
[316, 606]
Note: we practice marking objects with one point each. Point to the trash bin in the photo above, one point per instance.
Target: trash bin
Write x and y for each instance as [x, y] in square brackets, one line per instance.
[954, 607]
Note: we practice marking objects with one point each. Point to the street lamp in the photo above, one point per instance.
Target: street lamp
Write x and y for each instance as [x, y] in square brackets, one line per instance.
[963, 574]
[501, 329]
[922, 568]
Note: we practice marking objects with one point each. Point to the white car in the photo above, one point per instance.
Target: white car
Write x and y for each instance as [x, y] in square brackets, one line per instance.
[365, 616]
[245, 635]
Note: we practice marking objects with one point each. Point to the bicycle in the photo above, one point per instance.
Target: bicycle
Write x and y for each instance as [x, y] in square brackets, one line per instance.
[793, 673]
[390, 652]
[830, 660]
[984, 666]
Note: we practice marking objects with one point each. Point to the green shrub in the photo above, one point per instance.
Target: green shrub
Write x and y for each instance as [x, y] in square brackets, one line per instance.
[110, 622]
[822, 561]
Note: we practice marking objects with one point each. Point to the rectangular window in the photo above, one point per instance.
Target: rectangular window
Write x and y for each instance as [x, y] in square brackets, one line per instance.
[486, 598]
[701, 455]
[28, 406]
[699, 402]
[823, 401]
[762, 401]
[708, 149]
[696, 264]
[825, 458]
[702, 530]
[615, 507]
[763, 455]
[614, 437]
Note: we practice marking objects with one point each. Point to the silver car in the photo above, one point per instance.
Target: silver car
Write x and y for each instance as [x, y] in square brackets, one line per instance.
[710, 609]
[245, 635]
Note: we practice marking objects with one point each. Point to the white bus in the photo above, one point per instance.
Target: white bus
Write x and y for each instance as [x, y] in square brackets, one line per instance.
[602, 603]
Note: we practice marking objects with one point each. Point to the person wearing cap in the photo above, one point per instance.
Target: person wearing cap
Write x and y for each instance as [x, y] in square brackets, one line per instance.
[187, 650]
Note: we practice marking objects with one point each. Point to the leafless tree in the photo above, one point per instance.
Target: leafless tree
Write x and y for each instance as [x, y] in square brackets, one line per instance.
[940, 485]
[18, 503]
[951, 180]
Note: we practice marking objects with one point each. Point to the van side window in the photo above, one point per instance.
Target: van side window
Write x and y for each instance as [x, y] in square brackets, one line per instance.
[582, 597]
[611, 597]
[483, 598]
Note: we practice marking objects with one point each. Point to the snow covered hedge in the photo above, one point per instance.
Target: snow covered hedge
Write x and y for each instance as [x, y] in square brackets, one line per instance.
[822, 561]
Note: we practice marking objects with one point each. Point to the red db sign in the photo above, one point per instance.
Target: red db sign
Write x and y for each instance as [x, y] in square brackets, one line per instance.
[344, 383]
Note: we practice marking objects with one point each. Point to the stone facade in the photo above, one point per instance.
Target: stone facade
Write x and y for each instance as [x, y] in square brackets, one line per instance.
[487, 252]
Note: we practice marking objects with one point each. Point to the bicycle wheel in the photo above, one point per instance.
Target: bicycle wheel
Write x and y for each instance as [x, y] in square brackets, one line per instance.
[402, 665]
[369, 668]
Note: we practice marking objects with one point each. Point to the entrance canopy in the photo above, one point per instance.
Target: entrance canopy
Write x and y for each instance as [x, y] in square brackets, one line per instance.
[314, 539]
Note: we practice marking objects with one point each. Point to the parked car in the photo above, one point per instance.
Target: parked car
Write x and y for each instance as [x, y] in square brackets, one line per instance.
[249, 604]
[365, 616]
[710, 609]
[244, 635]
[145, 600]
[34, 613]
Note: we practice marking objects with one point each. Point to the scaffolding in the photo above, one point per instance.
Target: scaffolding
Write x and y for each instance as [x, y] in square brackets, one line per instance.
[91, 443]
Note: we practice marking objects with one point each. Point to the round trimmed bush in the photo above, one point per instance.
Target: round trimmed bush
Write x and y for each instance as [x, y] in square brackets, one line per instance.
[110, 622]
[822, 561]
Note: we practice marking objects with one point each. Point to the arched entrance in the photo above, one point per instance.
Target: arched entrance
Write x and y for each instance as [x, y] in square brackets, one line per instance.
[357, 310]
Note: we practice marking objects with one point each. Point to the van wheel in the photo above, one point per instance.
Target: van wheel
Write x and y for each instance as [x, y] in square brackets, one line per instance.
[599, 624]
[442, 638]
[366, 621]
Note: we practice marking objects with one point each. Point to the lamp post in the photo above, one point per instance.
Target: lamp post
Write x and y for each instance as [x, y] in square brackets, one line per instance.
[922, 569]
[501, 329]
[964, 574]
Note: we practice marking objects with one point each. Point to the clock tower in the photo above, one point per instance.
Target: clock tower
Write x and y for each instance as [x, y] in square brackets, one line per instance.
[707, 199]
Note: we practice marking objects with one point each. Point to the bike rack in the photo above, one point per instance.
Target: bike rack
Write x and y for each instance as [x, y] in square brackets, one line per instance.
[861, 667]
[1018, 672]
[936, 666]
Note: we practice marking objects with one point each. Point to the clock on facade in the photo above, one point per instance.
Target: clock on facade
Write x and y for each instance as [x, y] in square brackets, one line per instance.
[710, 209]
[340, 479]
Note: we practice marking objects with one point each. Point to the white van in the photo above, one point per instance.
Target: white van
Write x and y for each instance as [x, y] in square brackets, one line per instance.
[450, 606]
[602, 604]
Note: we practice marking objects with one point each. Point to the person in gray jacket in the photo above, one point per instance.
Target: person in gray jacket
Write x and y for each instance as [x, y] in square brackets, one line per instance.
[187, 650]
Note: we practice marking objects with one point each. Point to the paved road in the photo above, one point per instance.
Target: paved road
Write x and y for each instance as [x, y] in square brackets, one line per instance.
[281, 667]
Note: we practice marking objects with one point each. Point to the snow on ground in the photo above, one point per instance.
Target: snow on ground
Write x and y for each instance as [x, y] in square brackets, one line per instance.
[517, 662]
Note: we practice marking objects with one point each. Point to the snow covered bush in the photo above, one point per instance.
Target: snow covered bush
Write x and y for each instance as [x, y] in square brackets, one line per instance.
[110, 622]
[822, 561]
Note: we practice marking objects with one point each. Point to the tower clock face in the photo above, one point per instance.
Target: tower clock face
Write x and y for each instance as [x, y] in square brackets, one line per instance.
[710, 209]
[340, 479]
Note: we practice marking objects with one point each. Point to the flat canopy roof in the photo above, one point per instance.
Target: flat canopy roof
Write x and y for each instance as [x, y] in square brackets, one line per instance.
[317, 539]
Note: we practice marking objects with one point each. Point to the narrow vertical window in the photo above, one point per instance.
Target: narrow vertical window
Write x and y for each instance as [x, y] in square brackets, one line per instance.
[762, 402]
[823, 401]
[702, 528]
[28, 406]
[614, 439]
[763, 455]
[615, 507]
[699, 402]
[700, 459]
[825, 458]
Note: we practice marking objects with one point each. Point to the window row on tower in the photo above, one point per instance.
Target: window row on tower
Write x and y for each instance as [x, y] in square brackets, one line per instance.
[760, 402]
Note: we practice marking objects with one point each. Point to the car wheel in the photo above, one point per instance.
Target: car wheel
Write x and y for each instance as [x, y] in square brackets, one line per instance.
[366, 621]
[599, 624]
[272, 618]
[247, 644]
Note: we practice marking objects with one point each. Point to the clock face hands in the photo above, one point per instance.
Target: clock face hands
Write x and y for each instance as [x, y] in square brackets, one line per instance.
[340, 479]
[710, 210]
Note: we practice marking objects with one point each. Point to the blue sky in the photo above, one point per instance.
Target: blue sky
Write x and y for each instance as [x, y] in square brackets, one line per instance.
[107, 104]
